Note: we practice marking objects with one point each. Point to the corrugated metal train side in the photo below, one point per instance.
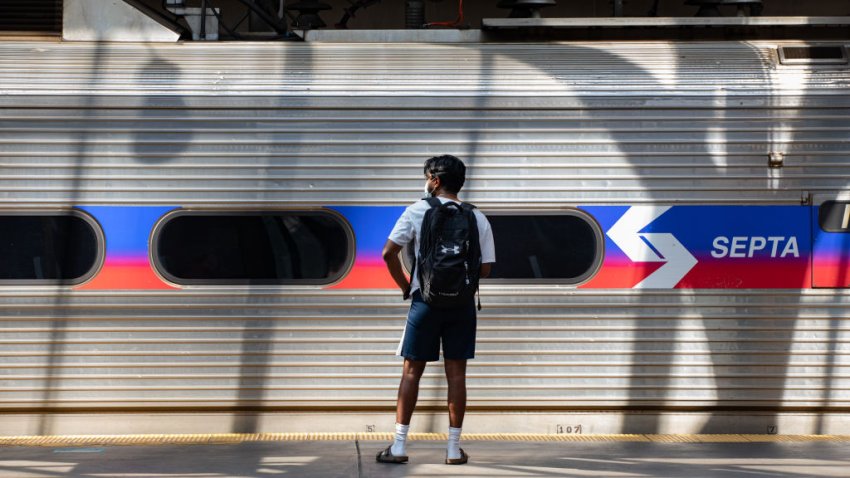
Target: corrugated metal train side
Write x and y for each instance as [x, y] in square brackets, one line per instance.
[543, 127]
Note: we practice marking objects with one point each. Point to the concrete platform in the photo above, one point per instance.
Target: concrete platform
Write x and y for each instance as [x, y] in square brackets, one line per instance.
[490, 459]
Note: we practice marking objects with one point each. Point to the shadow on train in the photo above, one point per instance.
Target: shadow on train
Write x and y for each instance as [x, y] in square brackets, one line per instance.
[155, 144]
[258, 332]
[62, 309]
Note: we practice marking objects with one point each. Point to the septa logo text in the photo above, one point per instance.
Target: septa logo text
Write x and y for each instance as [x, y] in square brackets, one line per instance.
[750, 246]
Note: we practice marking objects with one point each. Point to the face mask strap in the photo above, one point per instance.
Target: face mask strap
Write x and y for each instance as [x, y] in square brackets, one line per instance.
[428, 191]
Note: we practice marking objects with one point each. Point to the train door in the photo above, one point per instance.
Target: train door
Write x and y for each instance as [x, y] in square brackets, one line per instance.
[831, 241]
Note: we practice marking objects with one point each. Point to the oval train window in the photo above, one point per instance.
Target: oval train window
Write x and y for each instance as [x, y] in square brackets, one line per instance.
[563, 248]
[256, 247]
[48, 248]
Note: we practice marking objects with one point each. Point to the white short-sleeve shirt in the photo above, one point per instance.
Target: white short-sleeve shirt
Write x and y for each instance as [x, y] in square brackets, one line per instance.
[409, 225]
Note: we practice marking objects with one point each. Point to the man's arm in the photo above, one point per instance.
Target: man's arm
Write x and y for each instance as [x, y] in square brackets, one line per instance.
[390, 255]
[485, 270]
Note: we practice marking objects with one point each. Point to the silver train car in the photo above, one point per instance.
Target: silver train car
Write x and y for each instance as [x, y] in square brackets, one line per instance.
[190, 234]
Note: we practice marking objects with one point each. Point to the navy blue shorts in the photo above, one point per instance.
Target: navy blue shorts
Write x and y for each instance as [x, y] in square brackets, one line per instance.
[427, 326]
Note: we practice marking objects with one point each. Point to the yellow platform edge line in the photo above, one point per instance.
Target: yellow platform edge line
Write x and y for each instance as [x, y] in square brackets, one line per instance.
[231, 438]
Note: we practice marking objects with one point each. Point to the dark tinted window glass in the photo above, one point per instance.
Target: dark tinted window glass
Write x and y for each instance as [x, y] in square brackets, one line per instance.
[50, 248]
[41, 16]
[834, 216]
[271, 248]
[543, 247]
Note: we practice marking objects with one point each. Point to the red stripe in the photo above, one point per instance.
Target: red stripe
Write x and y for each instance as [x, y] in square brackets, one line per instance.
[746, 274]
[832, 273]
[621, 274]
[367, 276]
[113, 277]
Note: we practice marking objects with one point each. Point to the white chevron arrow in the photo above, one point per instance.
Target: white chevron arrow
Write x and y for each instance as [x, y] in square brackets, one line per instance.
[678, 261]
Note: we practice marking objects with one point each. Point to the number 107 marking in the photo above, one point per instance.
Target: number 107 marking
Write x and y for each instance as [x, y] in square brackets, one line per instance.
[567, 429]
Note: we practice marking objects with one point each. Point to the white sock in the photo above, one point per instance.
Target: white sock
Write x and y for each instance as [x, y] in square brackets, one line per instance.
[453, 449]
[400, 439]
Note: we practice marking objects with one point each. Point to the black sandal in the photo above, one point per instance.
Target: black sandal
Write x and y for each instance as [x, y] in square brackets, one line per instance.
[458, 461]
[386, 456]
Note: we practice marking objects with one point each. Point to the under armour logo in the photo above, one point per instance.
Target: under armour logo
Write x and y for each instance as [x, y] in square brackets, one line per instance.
[454, 250]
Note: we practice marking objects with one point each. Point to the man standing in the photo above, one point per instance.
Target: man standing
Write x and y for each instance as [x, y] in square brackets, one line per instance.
[438, 314]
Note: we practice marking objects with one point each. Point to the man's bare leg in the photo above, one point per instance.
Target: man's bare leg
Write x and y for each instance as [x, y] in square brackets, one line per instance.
[408, 390]
[456, 377]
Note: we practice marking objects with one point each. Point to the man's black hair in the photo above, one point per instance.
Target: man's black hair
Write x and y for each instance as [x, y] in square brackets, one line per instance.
[450, 170]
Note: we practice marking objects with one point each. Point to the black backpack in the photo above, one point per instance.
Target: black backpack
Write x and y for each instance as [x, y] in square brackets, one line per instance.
[449, 261]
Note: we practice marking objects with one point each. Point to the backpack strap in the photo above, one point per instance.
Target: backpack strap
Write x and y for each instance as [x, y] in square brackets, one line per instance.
[469, 210]
[426, 232]
[433, 202]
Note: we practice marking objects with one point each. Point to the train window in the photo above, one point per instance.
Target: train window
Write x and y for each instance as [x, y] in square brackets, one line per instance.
[834, 216]
[314, 247]
[48, 248]
[813, 55]
[31, 17]
[564, 247]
